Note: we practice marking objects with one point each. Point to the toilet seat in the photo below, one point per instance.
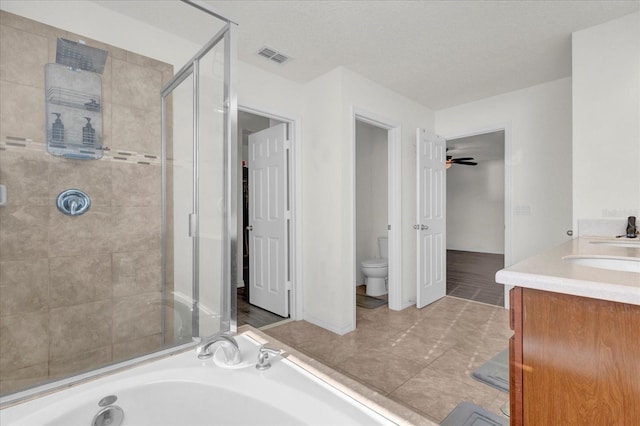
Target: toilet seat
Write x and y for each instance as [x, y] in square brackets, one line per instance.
[375, 263]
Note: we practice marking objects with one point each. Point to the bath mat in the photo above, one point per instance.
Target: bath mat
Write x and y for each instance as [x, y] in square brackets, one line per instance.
[468, 414]
[495, 372]
[369, 302]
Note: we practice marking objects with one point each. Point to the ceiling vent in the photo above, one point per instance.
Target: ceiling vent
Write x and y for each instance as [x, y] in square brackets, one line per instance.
[273, 55]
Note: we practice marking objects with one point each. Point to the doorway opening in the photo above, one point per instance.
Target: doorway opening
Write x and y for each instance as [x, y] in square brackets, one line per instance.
[263, 294]
[372, 218]
[476, 224]
[377, 213]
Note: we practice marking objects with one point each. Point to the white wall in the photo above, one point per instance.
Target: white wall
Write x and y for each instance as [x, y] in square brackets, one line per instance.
[326, 229]
[366, 95]
[606, 120]
[263, 90]
[475, 207]
[371, 192]
[329, 215]
[538, 121]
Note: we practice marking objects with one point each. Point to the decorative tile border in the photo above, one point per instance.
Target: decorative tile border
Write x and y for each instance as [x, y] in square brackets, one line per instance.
[14, 143]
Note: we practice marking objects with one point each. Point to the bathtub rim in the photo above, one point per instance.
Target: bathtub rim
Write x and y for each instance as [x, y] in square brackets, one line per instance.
[58, 385]
[360, 393]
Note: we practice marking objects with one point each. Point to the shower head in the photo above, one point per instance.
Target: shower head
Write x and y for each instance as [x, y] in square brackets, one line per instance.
[80, 56]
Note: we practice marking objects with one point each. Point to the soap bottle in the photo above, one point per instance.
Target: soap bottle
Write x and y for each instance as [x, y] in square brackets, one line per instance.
[88, 133]
[631, 227]
[57, 129]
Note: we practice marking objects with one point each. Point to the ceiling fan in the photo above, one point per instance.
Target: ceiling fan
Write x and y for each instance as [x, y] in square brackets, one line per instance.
[462, 160]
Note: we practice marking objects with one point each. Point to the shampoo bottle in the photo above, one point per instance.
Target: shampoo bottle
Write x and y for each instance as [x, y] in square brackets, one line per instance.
[57, 129]
[88, 133]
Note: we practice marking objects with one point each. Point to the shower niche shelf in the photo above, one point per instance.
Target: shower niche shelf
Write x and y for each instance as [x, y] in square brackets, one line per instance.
[74, 112]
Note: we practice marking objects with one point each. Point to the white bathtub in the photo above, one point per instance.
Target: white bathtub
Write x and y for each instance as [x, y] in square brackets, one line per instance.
[182, 390]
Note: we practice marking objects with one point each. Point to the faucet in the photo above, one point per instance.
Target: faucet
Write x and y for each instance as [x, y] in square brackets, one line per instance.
[263, 357]
[228, 344]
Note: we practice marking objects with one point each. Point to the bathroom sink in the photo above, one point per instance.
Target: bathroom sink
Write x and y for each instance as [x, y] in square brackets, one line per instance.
[625, 264]
[620, 243]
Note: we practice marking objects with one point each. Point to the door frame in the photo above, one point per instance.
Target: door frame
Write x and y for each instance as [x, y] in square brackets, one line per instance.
[506, 127]
[294, 176]
[394, 203]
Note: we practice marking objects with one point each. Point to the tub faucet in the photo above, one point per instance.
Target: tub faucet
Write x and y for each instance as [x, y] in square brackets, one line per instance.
[229, 347]
[263, 357]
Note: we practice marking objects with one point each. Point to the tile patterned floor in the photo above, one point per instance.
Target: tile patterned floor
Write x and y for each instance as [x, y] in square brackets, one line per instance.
[421, 358]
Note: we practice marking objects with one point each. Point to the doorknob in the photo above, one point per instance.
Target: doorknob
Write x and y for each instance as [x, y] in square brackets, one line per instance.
[423, 227]
[250, 228]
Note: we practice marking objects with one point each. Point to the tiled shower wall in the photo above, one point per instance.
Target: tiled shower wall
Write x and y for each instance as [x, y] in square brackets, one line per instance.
[77, 292]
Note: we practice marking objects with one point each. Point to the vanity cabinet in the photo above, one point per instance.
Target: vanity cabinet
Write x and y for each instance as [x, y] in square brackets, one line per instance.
[573, 360]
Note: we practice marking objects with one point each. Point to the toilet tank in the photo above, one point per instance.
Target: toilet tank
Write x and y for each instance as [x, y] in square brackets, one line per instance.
[383, 247]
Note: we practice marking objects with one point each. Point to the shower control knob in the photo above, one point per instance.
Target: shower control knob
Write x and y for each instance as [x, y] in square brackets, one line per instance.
[73, 202]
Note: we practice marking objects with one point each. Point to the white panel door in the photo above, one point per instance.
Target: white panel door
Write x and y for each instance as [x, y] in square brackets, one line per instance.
[268, 220]
[431, 224]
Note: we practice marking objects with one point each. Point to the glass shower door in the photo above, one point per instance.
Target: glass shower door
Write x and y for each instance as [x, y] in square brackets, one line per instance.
[199, 118]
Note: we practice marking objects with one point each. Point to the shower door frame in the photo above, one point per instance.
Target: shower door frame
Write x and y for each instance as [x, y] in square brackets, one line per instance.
[228, 36]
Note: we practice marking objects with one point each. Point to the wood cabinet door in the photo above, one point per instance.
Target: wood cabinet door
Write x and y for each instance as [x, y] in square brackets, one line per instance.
[581, 360]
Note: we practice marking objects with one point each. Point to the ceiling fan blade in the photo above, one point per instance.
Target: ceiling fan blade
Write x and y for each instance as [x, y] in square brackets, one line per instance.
[466, 163]
[463, 159]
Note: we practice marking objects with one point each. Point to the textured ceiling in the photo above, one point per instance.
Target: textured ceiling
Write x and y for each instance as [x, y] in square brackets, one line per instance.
[438, 53]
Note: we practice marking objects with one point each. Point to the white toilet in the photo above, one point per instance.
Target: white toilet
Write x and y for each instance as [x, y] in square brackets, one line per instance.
[376, 270]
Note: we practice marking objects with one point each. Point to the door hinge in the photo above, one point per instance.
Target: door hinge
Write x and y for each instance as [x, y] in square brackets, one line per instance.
[388, 227]
[287, 286]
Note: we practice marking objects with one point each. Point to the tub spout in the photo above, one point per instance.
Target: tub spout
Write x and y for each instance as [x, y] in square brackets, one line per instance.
[228, 344]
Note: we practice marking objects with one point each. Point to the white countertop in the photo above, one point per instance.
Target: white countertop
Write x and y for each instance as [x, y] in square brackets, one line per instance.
[548, 271]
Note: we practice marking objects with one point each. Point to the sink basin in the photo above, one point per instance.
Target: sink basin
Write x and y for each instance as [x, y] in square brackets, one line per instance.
[635, 243]
[625, 264]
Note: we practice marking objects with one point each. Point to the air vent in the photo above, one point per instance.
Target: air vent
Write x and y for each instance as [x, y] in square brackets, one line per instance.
[273, 55]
